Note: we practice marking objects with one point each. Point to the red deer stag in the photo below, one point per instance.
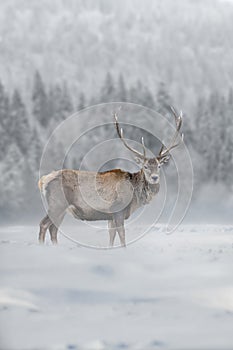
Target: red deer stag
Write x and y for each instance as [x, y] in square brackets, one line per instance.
[111, 195]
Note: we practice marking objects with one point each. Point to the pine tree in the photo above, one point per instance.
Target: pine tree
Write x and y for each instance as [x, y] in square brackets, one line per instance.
[108, 90]
[213, 132]
[40, 101]
[228, 151]
[21, 129]
[57, 103]
[51, 104]
[12, 180]
[121, 94]
[5, 119]
[4, 142]
[133, 97]
[82, 102]
[2, 104]
[34, 153]
[136, 93]
[229, 140]
[221, 140]
[201, 135]
[6, 123]
[200, 122]
[66, 102]
[148, 100]
[230, 96]
[163, 99]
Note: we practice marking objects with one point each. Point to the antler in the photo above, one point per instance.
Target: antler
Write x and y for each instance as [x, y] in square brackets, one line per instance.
[121, 136]
[164, 153]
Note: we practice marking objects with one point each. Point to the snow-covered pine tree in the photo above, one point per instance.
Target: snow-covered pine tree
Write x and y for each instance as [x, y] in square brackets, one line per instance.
[51, 104]
[5, 122]
[228, 149]
[230, 97]
[12, 184]
[66, 102]
[214, 132]
[21, 131]
[81, 102]
[108, 90]
[136, 93]
[40, 101]
[5, 119]
[200, 121]
[4, 142]
[148, 100]
[210, 136]
[34, 153]
[163, 100]
[221, 142]
[198, 138]
[229, 140]
[57, 104]
[121, 93]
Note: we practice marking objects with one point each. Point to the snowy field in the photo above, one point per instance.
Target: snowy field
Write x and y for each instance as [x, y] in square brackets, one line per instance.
[162, 292]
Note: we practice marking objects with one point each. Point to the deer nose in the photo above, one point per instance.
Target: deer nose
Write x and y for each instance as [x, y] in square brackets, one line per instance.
[154, 177]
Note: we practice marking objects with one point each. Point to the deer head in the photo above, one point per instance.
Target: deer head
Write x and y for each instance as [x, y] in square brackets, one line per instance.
[151, 166]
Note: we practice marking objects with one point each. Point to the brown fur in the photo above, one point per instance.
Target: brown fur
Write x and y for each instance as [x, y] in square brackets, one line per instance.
[111, 195]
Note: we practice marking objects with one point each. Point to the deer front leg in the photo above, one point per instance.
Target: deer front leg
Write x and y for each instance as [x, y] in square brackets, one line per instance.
[53, 233]
[119, 224]
[112, 232]
[121, 232]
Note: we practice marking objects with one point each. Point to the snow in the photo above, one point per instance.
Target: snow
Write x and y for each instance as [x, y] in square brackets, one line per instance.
[162, 292]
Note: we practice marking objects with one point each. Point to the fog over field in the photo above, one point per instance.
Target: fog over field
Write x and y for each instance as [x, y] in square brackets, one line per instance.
[65, 68]
[59, 57]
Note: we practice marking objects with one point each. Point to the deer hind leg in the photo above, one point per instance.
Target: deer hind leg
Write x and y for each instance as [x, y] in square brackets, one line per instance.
[119, 224]
[112, 232]
[44, 225]
[52, 221]
[53, 229]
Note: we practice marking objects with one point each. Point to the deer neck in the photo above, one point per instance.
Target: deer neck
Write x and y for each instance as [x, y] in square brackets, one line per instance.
[144, 191]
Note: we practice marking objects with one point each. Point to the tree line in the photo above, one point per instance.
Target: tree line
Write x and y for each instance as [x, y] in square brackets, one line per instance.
[24, 128]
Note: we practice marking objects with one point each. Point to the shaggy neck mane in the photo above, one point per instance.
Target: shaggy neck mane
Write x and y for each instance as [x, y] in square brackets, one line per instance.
[144, 191]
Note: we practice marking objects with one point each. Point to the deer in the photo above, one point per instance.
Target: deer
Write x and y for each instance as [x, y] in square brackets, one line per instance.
[111, 195]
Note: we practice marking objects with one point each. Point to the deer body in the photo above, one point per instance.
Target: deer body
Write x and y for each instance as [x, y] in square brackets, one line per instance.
[112, 195]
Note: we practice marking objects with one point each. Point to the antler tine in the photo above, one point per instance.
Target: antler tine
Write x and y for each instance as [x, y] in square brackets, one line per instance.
[121, 136]
[178, 121]
[161, 149]
[178, 118]
[164, 151]
[144, 148]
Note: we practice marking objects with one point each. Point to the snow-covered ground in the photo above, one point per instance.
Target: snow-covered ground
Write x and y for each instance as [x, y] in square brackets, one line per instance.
[162, 292]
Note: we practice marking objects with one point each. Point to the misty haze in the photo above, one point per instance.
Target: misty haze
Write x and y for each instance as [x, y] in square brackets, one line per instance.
[65, 68]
